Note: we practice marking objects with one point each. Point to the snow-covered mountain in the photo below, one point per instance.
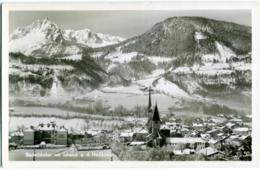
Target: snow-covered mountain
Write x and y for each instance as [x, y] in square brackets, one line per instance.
[43, 38]
[184, 58]
[40, 38]
[91, 39]
[191, 54]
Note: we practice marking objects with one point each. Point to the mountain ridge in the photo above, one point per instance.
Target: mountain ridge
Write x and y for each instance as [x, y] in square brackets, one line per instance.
[183, 58]
[45, 38]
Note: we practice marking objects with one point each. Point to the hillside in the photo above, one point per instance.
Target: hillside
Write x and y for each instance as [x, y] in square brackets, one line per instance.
[189, 59]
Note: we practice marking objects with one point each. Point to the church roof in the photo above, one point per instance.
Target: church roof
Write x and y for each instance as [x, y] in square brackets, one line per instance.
[156, 116]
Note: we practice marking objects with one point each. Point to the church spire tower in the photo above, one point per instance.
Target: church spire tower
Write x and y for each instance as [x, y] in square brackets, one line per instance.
[156, 116]
[149, 100]
[149, 112]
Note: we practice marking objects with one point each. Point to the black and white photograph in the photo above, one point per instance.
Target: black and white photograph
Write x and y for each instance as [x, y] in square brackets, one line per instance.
[130, 85]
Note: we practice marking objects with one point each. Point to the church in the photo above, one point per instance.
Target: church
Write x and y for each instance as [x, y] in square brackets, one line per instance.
[157, 135]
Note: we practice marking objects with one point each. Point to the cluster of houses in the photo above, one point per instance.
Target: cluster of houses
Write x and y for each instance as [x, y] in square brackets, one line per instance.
[207, 136]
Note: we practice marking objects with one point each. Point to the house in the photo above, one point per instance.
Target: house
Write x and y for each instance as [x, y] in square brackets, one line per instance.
[16, 137]
[126, 136]
[137, 146]
[215, 143]
[231, 125]
[233, 140]
[198, 126]
[62, 136]
[171, 125]
[28, 138]
[165, 131]
[48, 133]
[214, 133]
[184, 152]
[210, 152]
[140, 135]
[192, 143]
[241, 131]
[205, 136]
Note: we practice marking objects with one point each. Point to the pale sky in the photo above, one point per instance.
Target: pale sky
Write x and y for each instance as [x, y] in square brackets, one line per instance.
[121, 23]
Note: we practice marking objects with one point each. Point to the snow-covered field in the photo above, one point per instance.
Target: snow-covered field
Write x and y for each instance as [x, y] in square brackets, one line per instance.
[68, 119]
[129, 100]
[170, 88]
[157, 59]
[133, 89]
[55, 112]
[156, 73]
[163, 86]
[223, 54]
[119, 57]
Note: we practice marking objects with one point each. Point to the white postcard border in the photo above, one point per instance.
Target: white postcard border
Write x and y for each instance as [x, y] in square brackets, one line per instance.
[205, 5]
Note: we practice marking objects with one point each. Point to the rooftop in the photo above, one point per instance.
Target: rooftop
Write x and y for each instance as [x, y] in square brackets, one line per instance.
[185, 140]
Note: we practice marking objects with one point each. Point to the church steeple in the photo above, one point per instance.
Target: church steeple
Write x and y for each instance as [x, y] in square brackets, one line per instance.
[156, 116]
[150, 100]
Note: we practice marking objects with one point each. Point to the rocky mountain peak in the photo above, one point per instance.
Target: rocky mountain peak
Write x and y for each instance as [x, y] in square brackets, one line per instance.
[44, 38]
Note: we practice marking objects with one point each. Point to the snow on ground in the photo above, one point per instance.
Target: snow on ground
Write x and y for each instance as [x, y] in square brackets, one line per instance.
[49, 112]
[225, 52]
[146, 82]
[16, 122]
[209, 57]
[195, 67]
[170, 88]
[215, 66]
[28, 43]
[214, 69]
[120, 57]
[15, 71]
[133, 89]
[192, 86]
[241, 66]
[214, 72]
[95, 94]
[157, 59]
[36, 67]
[97, 54]
[56, 90]
[199, 36]
[111, 66]
[70, 50]
[25, 70]
[91, 39]
[156, 73]
[130, 100]
[73, 57]
[184, 70]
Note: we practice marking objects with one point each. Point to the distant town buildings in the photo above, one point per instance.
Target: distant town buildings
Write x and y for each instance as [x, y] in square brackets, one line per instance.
[208, 137]
[49, 133]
